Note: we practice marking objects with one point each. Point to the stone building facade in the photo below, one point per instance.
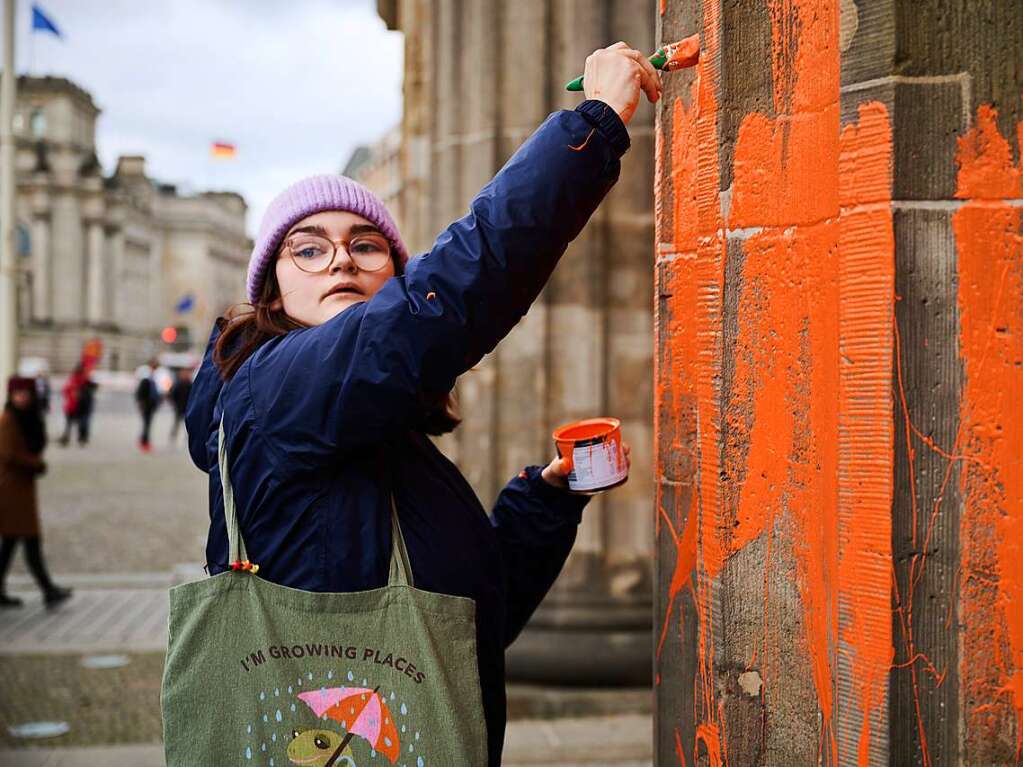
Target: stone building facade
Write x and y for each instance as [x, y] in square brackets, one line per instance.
[378, 166]
[111, 257]
[480, 76]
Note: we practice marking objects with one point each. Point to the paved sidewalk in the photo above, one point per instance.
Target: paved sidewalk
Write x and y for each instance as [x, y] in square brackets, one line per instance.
[624, 741]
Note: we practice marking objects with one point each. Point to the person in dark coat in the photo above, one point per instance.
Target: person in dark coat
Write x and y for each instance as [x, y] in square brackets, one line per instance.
[147, 398]
[179, 392]
[22, 441]
[86, 406]
[329, 386]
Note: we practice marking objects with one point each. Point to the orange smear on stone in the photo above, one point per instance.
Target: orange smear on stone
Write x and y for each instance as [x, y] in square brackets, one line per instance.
[990, 250]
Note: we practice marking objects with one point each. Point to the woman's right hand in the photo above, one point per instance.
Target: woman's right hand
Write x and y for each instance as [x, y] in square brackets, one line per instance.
[616, 74]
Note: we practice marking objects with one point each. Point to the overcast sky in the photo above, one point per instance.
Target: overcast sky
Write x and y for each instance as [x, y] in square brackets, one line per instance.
[294, 84]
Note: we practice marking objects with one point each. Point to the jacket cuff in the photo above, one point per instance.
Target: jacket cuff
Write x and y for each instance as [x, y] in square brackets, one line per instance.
[602, 117]
[562, 502]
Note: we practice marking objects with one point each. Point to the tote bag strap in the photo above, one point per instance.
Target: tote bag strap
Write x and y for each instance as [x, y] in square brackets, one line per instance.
[400, 573]
[400, 569]
[235, 544]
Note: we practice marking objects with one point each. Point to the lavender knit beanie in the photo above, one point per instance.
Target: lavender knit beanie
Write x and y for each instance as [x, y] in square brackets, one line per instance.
[313, 195]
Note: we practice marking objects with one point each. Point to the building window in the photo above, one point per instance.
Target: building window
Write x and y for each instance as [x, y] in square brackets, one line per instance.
[38, 123]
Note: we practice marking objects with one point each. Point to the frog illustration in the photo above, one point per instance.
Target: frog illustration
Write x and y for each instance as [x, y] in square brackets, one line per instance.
[317, 748]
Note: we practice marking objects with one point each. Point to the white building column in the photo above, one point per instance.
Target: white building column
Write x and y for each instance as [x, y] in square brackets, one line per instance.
[97, 273]
[42, 270]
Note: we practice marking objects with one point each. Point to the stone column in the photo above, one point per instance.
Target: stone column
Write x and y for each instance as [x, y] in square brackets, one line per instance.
[97, 272]
[839, 282]
[493, 71]
[42, 265]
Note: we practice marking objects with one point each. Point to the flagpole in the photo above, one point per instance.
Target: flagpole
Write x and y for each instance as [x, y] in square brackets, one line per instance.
[8, 267]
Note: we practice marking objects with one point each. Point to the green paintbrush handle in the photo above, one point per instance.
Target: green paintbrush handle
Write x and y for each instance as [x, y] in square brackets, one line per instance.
[658, 59]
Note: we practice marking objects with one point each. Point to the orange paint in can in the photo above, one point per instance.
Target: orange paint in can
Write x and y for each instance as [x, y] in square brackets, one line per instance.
[594, 452]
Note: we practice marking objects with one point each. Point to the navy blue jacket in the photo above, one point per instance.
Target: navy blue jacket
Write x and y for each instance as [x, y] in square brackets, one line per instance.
[309, 414]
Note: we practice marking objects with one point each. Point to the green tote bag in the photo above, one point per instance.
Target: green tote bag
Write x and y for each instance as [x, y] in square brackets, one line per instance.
[263, 674]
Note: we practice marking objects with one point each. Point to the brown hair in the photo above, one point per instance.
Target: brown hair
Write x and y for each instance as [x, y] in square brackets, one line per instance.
[246, 327]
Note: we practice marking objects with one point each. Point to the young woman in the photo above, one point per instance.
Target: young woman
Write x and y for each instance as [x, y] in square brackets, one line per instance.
[22, 441]
[328, 388]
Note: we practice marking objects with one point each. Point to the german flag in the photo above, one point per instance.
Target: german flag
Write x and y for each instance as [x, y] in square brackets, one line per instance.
[222, 150]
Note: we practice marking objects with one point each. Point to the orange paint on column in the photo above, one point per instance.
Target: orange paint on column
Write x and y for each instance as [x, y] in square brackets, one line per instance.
[990, 249]
[786, 183]
[786, 465]
[867, 278]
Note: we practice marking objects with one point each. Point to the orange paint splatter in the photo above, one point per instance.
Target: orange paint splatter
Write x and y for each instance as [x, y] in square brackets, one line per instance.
[867, 278]
[817, 200]
[990, 249]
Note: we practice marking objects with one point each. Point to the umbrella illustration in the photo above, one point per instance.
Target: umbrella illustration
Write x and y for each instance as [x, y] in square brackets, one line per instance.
[360, 711]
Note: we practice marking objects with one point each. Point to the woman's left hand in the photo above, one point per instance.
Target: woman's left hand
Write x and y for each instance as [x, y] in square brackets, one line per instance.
[556, 472]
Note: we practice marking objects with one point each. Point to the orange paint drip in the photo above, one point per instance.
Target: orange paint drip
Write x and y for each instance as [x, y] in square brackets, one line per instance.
[867, 277]
[990, 249]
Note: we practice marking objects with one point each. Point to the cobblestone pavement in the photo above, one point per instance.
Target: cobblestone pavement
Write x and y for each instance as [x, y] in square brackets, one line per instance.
[120, 527]
[107, 508]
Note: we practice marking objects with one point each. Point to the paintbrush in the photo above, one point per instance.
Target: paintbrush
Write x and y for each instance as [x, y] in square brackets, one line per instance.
[668, 58]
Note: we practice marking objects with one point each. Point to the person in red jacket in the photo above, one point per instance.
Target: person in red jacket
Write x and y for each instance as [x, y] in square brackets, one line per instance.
[72, 394]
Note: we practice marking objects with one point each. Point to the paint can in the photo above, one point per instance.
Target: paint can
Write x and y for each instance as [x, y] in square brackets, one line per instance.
[595, 454]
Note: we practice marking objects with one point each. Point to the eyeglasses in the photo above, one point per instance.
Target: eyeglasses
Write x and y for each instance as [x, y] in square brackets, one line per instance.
[313, 253]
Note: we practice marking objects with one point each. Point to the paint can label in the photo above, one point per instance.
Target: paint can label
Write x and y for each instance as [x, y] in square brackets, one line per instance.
[597, 466]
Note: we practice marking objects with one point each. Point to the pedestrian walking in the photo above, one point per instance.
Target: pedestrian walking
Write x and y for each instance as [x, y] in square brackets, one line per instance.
[86, 406]
[179, 392]
[147, 398]
[22, 441]
[71, 393]
[312, 412]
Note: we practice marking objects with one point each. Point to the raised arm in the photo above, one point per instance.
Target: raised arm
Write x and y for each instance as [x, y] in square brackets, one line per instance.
[364, 374]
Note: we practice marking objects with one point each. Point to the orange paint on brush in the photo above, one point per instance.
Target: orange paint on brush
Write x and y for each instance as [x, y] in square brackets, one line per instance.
[990, 249]
[682, 55]
[867, 279]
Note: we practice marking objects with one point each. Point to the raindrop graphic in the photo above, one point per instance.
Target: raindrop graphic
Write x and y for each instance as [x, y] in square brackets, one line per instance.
[330, 675]
[410, 747]
[372, 752]
[290, 688]
[262, 695]
[277, 716]
[272, 761]
[293, 708]
[350, 677]
[403, 728]
[417, 734]
[264, 747]
[392, 694]
[273, 737]
[299, 682]
[277, 692]
[309, 674]
[403, 709]
[364, 682]
[248, 752]
[248, 729]
[265, 719]
[387, 741]
[419, 762]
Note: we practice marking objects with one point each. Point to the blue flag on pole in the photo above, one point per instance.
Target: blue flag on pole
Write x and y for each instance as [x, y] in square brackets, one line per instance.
[185, 304]
[43, 22]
